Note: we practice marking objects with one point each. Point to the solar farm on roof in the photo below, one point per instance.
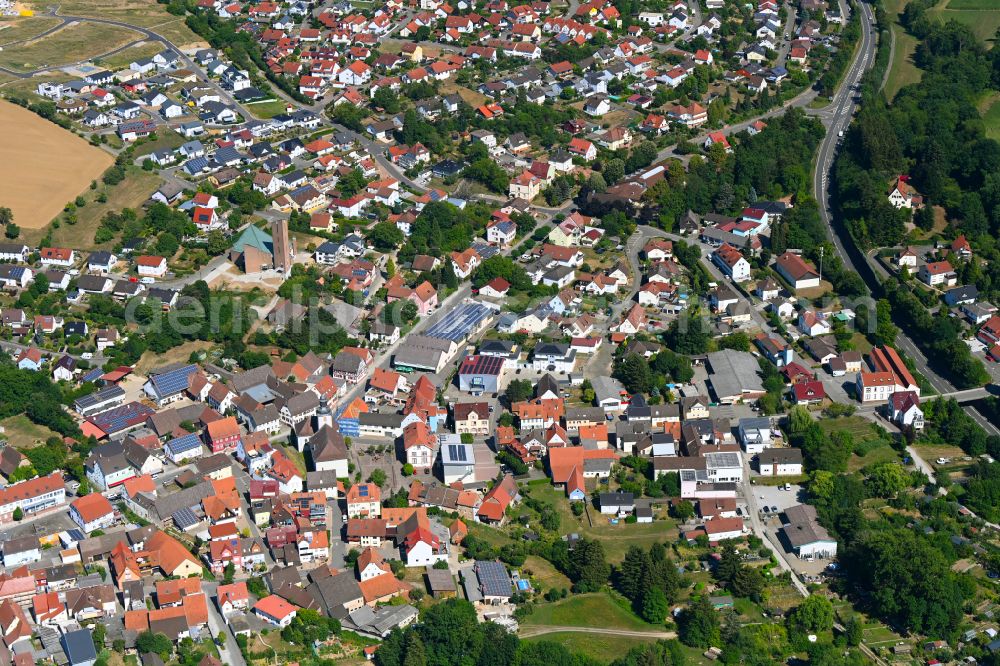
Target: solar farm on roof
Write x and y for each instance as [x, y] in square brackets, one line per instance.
[173, 381]
[84, 403]
[460, 322]
[121, 418]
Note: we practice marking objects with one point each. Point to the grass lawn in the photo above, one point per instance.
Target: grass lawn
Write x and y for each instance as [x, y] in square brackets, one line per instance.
[17, 28]
[596, 609]
[991, 119]
[858, 426]
[75, 42]
[861, 343]
[130, 193]
[488, 534]
[544, 573]
[268, 108]
[980, 16]
[931, 452]
[179, 354]
[861, 430]
[165, 140]
[22, 433]
[603, 647]
[879, 454]
[902, 71]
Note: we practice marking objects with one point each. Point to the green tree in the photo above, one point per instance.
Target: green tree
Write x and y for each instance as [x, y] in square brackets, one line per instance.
[588, 567]
[698, 624]
[886, 479]
[655, 606]
[377, 477]
[518, 390]
[386, 236]
[813, 615]
[634, 374]
[148, 642]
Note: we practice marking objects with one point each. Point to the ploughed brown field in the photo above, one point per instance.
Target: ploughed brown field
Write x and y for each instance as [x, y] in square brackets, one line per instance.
[43, 166]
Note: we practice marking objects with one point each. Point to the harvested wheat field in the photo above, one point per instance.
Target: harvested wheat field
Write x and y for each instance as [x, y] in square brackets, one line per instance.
[43, 166]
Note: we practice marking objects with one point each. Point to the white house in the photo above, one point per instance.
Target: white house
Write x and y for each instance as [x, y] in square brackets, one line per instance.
[904, 410]
[780, 462]
[151, 266]
[92, 512]
[732, 263]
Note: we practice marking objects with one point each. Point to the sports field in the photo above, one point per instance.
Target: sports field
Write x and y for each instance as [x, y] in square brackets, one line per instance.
[44, 166]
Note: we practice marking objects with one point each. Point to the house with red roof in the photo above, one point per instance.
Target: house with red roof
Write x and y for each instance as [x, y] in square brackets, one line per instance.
[808, 393]
[92, 512]
[495, 288]
[582, 148]
[493, 509]
[275, 610]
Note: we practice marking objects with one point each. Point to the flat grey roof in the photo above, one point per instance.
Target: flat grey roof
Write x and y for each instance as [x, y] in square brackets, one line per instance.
[734, 373]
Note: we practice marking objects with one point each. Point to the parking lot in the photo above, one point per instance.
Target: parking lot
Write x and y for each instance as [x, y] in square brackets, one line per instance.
[774, 496]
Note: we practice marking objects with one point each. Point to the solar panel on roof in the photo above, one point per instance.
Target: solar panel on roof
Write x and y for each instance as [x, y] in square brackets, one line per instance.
[92, 375]
[457, 324]
[184, 518]
[363, 491]
[457, 452]
[76, 534]
[174, 381]
[493, 579]
[97, 397]
[120, 418]
[184, 443]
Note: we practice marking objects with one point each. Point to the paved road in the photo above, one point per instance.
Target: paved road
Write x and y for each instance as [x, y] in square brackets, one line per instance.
[229, 650]
[789, 29]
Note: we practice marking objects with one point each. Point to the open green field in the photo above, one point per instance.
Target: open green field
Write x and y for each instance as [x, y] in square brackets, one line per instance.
[130, 193]
[16, 28]
[902, 70]
[604, 647]
[122, 59]
[981, 16]
[596, 609]
[268, 108]
[546, 576]
[143, 13]
[74, 43]
[21, 433]
[859, 427]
